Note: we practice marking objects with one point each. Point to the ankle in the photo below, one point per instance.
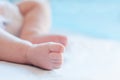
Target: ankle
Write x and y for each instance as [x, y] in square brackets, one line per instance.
[27, 47]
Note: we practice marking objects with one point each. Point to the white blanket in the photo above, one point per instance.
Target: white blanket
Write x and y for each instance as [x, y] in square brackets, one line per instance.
[84, 59]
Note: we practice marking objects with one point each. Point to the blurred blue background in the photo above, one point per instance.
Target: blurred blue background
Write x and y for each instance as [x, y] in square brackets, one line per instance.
[94, 18]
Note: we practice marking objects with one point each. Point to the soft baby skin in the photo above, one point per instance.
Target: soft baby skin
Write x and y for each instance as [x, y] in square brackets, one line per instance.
[25, 38]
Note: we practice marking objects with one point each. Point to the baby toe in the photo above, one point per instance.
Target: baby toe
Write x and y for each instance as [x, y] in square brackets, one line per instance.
[56, 59]
[56, 64]
[55, 56]
[63, 40]
[56, 47]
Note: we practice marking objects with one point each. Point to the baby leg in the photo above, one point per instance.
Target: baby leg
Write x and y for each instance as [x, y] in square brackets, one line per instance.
[37, 23]
[44, 55]
[12, 48]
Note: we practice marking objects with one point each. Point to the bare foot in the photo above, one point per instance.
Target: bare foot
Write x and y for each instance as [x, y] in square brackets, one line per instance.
[48, 38]
[46, 55]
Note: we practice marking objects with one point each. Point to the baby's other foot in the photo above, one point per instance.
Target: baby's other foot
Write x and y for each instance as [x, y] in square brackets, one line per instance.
[46, 55]
[48, 38]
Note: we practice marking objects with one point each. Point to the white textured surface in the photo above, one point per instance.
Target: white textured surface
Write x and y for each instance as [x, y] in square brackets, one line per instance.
[85, 59]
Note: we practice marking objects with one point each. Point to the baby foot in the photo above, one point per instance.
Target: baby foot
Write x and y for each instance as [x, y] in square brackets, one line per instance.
[45, 55]
[48, 38]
